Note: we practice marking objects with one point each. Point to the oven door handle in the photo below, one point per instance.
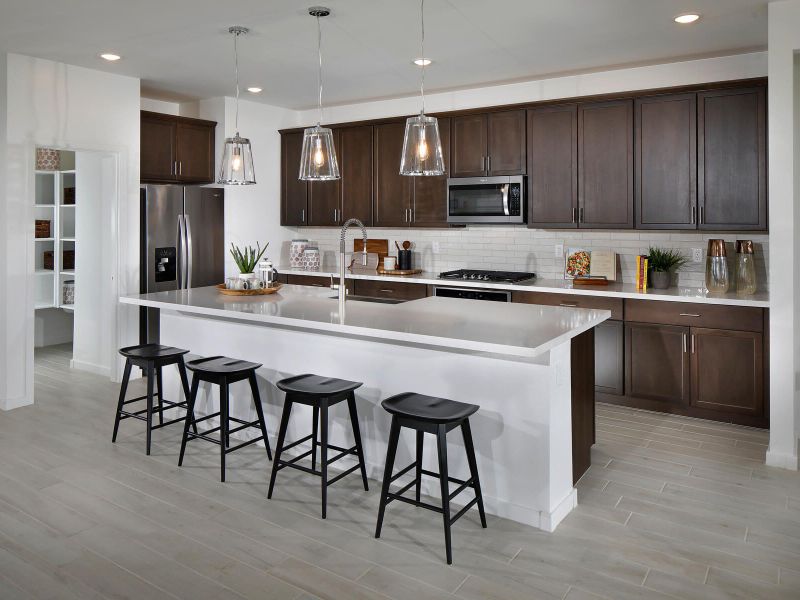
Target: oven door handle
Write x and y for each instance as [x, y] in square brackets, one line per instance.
[504, 189]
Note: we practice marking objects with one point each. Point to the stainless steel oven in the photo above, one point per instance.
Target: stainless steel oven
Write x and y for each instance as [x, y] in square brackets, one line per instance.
[472, 293]
[486, 199]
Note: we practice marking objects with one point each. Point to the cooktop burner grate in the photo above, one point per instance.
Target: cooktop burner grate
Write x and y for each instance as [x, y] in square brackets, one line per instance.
[481, 275]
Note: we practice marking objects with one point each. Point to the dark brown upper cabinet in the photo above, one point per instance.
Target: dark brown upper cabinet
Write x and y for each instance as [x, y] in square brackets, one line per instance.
[605, 164]
[176, 149]
[294, 191]
[394, 193]
[553, 166]
[355, 164]
[488, 144]
[324, 196]
[430, 193]
[732, 166]
[666, 162]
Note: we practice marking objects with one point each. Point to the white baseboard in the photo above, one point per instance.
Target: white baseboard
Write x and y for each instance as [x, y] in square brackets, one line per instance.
[782, 460]
[12, 403]
[80, 365]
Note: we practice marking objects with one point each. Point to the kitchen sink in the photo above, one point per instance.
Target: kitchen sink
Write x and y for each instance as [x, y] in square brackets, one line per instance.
[371, 299]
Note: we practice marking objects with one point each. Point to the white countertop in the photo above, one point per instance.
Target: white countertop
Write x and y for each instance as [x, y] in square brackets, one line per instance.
[561, 286]
[519, 330]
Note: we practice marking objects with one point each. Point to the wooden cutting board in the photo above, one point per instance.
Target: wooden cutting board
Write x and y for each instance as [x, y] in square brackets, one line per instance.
[379, 247]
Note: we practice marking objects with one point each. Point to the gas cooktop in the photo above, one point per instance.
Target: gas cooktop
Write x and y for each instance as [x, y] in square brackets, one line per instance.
[480, 275]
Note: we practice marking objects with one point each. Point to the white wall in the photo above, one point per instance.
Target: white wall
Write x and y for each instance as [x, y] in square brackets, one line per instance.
[161, 106]
[784, 225]
[53, 326]
[6, 388]
[56, 105]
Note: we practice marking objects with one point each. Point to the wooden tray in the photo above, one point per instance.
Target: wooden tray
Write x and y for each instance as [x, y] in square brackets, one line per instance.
[262, 292]
[398, 272]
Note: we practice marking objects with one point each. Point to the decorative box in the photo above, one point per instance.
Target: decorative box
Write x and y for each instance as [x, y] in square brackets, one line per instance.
[47, 159]
[69, 195]
[42, 228]
[68, 260]
[47, 260]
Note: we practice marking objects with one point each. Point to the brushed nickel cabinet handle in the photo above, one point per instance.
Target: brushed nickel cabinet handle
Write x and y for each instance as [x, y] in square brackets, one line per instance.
[702, 215]
[684, 343]
[386, 291]
[488, 163]
[574, 214]
[580, 215]
[302, 215]
[692, 343]
[689, 315]
[175, 167]
[694, 214]
[569, 304]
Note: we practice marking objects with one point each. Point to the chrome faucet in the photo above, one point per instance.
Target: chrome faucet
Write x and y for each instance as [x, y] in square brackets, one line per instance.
[342, 266]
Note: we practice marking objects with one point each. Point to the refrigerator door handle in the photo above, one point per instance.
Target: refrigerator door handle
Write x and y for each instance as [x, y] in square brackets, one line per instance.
[179, 245]
[188, 243]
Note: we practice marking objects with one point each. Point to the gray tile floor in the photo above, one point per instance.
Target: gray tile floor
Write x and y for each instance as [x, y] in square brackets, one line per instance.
[671, 508]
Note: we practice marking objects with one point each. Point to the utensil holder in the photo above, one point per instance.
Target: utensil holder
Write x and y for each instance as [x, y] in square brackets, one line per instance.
[404, 262]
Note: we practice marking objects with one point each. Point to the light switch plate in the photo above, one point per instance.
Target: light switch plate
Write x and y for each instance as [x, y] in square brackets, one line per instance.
[697, 255]
[435, 247]
[559, 250]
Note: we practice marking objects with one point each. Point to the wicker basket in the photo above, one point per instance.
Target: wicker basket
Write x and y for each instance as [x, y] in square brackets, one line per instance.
[42, 228]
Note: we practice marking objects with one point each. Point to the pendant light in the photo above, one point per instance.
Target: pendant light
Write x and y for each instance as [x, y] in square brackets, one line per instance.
[318, 157]
[237, 157]
[422, 146]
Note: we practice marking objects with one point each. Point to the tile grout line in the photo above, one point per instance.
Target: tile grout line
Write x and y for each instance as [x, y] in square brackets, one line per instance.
[708, 572]
[516, 554]
[646, 575]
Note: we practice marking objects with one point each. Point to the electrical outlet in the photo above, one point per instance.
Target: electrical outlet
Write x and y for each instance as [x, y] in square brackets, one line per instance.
[435, 247]
[559, 250]
[697, 255]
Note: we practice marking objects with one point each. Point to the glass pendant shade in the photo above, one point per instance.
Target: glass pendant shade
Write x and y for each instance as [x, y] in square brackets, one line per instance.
[422, 147]
[237, 162]
[318, 157]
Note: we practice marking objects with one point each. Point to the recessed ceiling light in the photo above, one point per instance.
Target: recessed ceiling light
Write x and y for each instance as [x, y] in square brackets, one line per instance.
[254, 90]
[422, 62]
[110, 57]
[686, 19]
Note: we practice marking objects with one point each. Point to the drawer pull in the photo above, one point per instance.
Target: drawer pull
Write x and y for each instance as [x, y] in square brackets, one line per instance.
[317, 285]
[689, 315]
[569, 304]
[385, 291]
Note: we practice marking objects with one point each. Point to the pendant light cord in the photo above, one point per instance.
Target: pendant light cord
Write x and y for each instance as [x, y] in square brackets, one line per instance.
[236, 69]
[422, 45]
[319, 73]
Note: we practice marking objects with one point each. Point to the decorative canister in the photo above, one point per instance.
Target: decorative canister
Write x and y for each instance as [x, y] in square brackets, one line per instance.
[311, 259]
[717, 278]
[296, 253]
[745, 268]
[68, 294]
[47, 159]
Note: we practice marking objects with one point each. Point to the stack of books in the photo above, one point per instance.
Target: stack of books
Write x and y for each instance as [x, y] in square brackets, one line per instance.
[641, 272]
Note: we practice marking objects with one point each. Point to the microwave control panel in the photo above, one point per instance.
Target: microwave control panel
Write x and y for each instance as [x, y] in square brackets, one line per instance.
[515, 199]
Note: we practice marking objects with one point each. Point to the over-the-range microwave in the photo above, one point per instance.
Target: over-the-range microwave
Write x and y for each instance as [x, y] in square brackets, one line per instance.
[486, 200]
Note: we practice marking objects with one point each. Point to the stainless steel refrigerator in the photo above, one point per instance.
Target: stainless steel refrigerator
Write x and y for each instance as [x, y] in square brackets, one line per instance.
[182, 242]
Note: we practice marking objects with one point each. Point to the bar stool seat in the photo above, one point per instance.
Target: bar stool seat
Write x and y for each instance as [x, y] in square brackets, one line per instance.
[321, 393]
[428, 414]
[223, 371]
[151, 358]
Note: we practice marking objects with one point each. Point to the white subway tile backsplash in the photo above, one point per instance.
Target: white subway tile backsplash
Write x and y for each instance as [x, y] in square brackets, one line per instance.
[521, 249]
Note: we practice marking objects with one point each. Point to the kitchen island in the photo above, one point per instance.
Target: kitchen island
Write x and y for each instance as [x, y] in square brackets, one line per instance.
[529, 367]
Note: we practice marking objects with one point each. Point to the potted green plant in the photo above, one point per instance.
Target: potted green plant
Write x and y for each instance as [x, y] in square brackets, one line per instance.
[247, 258]
[662, 263]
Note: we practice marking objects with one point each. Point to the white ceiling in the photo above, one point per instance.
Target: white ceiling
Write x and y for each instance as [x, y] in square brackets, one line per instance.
[181, 49]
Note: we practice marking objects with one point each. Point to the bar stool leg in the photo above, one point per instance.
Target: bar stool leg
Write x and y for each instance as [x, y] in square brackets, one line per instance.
[160, 382]
[323, 416]
[287, 409]
[351, 404]
[260, 412]
[223, 426]
[441, 442]
[394, 437]
[314, 434]
[150, 377]
[185, 385]
[473, 468]
[189, 417]
[420, 442]
[122, 391]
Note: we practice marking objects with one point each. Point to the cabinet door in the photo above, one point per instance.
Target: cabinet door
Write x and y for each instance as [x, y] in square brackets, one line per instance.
[657, 365]
[294, 191]
[158, 152]
[609, 357]
[666, 162]
[727, 371]
[195, 152]
[393, 192]
[469, 146]
[553, 166]
[430, 193]
[506, 137]
[324, 197]
[605, 164]
[732, 161]
[355, 162]
[390, 289]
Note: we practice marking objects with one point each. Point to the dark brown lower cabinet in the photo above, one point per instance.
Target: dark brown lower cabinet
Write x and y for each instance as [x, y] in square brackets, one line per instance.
[609, 358]
[727, 371]
[657, 363]
[390, 289]
[582, 356]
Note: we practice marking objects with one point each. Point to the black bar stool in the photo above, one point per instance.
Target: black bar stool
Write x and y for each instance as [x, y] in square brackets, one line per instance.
[223, 371]
[152, 358]
[426, 414]
[321, 393]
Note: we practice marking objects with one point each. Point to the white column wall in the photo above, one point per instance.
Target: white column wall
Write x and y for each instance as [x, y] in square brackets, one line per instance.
[784, 226]
[5, 394]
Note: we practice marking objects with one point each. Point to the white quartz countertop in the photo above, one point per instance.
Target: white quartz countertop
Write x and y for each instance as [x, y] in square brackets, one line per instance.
[561, 286]
[514, 330]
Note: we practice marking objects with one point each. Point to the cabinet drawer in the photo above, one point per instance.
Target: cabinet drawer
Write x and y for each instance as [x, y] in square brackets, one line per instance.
[741, 318]
[308, 280]
[572, 300]
[390, 289]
